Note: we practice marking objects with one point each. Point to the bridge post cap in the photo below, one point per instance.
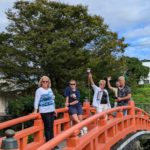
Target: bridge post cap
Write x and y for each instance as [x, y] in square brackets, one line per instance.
[9, 142]
[131, 103]
[9, 133]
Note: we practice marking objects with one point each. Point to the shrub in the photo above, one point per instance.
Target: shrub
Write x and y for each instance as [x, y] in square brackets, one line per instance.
[21, 106]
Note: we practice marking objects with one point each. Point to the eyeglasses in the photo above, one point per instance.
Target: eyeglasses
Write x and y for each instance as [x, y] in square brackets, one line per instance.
[44, 81]
[72, 84]
[102, 84]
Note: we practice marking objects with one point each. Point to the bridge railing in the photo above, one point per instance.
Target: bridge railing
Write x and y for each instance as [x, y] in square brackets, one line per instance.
[104, 129]
[64, 122]
[36, 131]
[144, 106]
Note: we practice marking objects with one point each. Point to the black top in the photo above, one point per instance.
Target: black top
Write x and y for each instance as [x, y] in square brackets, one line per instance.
[104, 98]
[123, 93]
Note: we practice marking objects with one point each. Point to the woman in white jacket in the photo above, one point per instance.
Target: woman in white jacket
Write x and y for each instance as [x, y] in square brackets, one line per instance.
[101, 97]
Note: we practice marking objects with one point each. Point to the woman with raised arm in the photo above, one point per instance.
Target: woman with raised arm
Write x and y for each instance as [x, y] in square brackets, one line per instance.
[101, 98]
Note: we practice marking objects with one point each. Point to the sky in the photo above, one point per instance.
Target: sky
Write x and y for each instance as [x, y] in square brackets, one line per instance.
[129, 18]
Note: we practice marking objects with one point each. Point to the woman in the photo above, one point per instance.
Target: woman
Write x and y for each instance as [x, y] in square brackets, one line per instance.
[44, 101]
[72, 95]
[101, 98]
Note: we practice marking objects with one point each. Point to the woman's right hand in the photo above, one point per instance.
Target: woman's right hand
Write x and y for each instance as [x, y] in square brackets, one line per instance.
[66, 104]
[34, 111]
[75, 102]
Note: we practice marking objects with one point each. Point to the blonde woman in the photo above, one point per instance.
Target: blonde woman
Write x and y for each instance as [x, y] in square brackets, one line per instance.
[44, 102]
[101, 98]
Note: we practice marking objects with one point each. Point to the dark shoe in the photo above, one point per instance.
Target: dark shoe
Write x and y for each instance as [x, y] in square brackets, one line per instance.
[56, 148]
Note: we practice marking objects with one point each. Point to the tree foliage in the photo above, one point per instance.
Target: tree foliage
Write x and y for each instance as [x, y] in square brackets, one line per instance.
[135, 70]
[21, 106]
[55, 39]
[60, 41]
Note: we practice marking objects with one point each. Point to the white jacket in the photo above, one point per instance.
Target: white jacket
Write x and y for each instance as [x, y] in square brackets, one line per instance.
[97, 101]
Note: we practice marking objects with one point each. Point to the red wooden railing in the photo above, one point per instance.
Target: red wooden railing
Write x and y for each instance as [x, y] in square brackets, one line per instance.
[61, 124]
[105, 129]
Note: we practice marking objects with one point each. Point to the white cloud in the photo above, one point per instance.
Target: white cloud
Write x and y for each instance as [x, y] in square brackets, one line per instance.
[4, 6]
[118, 14]
[139, 32]
[138, 52]
[130, 18]
[141, 43]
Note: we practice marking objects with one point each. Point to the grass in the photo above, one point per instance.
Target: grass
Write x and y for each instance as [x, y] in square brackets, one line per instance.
[142, 94]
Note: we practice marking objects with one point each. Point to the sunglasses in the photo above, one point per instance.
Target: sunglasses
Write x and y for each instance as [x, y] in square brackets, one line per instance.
[45, 81]
[72, 84]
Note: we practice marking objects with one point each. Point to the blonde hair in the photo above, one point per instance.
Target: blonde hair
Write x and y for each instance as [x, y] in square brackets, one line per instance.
[121, 78]
[42, 78]
[72, 80]
[102, 81]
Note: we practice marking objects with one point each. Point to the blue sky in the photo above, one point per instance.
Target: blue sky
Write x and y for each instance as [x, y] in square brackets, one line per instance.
[129, 18]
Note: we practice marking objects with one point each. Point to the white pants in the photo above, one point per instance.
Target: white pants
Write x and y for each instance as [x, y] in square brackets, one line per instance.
[102, 107]
[115, 104]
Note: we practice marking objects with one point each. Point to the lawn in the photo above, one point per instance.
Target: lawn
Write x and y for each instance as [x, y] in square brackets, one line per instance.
[141, 96]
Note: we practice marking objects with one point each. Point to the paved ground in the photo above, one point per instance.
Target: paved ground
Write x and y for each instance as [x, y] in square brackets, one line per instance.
[62, 145]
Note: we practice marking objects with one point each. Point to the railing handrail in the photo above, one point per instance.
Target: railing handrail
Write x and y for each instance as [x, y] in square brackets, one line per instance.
[139, 109]
[73, 131]
[77, 127]
[19, 120]
[26, 118]
[64, 121]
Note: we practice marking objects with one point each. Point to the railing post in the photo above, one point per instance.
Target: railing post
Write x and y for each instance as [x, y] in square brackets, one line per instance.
[119, 114]
[102, 121]
[9, 143]
[132, 111]
[68, 124]
[86, 104]
[39, 137]
[73, 140]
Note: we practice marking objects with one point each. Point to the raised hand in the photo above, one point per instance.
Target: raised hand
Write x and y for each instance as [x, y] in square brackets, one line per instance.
[109, 78]
[90, 75]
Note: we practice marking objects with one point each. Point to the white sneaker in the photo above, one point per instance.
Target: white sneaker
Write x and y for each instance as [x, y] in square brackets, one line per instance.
[85, 130]
[81, 132]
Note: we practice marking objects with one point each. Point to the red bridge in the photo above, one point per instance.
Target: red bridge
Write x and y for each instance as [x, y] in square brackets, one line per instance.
[104, 129]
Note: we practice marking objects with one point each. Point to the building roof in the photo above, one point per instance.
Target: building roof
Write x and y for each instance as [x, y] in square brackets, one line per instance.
[145, 60]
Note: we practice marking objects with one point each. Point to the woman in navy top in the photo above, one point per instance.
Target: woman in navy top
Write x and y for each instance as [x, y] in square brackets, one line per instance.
[72, 95]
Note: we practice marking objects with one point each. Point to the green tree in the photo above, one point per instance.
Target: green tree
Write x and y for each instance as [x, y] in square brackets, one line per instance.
[55, 39]
[135, 70]
[108, 55]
